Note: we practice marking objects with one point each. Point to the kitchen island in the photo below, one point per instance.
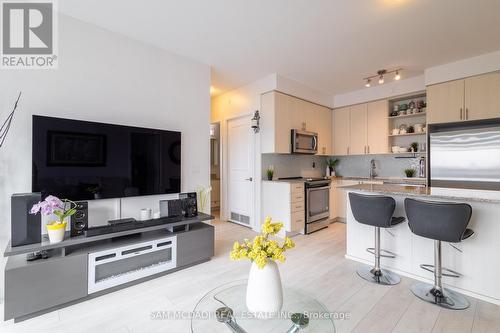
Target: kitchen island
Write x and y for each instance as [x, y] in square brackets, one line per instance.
[475, 258]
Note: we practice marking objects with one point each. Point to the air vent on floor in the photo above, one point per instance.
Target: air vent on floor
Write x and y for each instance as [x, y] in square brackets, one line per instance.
[235, 217]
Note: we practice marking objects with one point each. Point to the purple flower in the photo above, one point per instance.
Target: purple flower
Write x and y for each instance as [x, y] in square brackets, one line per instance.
[54, 202]
[36, 208]
[48, 206]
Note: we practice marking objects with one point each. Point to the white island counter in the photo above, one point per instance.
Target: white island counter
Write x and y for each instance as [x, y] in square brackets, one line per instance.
[478, 258]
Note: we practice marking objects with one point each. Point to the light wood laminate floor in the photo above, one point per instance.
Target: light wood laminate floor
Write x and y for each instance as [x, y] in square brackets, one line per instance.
[317, 265]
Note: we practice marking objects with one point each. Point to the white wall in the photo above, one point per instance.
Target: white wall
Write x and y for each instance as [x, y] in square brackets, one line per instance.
[241, 102]
[106, 77]
[481, 64]
[295, 88]
[375, 92]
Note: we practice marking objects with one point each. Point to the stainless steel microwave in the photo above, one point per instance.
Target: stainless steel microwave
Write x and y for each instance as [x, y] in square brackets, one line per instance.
[304, 142]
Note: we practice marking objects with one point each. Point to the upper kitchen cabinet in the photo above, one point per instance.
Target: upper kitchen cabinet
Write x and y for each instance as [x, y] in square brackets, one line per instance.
[361, 129]
[472, 98]
[482, 97]
[377, 127]
[280, 113]
[341, 130]
[358, 132]
[445, 102]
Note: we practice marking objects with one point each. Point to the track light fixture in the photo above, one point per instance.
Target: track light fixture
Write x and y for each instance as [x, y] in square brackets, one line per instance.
[381, 76]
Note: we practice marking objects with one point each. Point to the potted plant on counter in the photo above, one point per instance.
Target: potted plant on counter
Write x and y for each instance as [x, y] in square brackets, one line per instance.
[270, 172]
[410, 172]
[53, 206]
[331, 164]
[264, 290]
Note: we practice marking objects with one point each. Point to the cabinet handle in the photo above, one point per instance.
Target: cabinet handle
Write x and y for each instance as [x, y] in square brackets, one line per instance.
[461, 114]
[368, 149]
[348, 150]
[466, 113]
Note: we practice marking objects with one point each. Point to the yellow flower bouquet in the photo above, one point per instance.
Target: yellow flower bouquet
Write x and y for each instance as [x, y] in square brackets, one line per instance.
[262, 248]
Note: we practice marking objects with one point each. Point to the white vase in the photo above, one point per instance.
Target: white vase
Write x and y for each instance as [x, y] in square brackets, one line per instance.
[264, 289]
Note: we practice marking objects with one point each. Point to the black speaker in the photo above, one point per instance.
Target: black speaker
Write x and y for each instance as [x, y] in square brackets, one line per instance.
[171, 208]
[25, 227]
[189, 204]
[80, 220]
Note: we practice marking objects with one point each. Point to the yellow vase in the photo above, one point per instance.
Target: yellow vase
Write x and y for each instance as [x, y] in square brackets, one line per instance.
[56, 232]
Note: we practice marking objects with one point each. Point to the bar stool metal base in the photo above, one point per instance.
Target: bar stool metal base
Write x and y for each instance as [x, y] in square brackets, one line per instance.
[446, 298]
[380, 276]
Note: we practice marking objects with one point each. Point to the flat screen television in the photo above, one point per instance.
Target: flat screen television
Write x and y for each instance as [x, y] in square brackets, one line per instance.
[82, 160]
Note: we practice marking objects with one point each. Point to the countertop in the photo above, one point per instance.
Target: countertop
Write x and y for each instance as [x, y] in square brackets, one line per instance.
[400, 180]
[429, 192]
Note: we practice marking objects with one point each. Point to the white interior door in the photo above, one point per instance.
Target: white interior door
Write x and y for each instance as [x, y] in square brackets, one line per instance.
[240, 194]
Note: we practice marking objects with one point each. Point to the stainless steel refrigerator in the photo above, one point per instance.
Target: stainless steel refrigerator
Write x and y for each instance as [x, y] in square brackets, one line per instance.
[465, 155]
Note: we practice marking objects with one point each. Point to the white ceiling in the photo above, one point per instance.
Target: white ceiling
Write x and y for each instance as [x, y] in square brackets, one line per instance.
[329, 45]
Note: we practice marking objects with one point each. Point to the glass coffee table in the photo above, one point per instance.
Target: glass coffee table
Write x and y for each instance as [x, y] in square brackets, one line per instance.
[224, 310]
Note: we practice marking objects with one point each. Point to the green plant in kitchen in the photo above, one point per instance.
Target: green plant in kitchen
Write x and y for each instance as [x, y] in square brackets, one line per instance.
[411, 129]
[414, 146]
[409, 172]
[270, 172]
[332, 163]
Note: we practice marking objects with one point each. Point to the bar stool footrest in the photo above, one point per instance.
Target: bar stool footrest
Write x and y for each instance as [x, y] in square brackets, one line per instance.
[451, 273]
[389, 255]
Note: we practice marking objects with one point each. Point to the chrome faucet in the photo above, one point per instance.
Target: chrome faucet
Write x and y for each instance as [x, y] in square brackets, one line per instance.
[373, 169]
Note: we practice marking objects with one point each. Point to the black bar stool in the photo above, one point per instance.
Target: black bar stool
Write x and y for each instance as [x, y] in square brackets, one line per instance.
[442, 222]
[376, 211]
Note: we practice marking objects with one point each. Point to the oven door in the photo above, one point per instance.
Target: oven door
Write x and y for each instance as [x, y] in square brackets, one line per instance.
[304, 142]
[318, 203]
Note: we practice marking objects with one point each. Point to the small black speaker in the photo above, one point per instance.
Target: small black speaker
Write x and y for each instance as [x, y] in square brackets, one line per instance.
[171, 208]
[25, 227]
[189, 204]
[80, 220]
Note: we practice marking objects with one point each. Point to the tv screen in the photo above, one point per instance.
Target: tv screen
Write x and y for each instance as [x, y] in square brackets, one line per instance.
[82, 160]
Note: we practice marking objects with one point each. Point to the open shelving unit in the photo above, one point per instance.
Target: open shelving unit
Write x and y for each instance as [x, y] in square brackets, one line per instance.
[416, 117]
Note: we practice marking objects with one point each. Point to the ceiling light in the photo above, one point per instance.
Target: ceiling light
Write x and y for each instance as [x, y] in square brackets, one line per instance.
[397, 77]
[380, 76]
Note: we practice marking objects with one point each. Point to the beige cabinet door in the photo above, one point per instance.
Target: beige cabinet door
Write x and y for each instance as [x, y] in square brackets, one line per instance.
[282, 124]
[482, 97]
[341, 131]
[333, 200]
[358, 130]
[378, 127]
[324, 129]
[445, 102]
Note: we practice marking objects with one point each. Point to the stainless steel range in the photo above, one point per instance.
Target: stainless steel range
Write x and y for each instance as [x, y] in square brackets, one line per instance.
[317, 204]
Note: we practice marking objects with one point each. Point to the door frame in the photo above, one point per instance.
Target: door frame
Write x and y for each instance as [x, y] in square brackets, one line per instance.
[224, 209]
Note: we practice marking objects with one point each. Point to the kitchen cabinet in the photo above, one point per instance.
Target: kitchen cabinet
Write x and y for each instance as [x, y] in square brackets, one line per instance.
[482, 97]
[445, 102]
[358, 133]
[284, 202]
[361, 129]
[341, 131]
[473, 98]
[377, 127]
[280, 113]
[324, 125]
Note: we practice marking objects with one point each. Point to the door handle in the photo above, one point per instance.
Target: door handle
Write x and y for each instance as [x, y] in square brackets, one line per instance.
[249, 179]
